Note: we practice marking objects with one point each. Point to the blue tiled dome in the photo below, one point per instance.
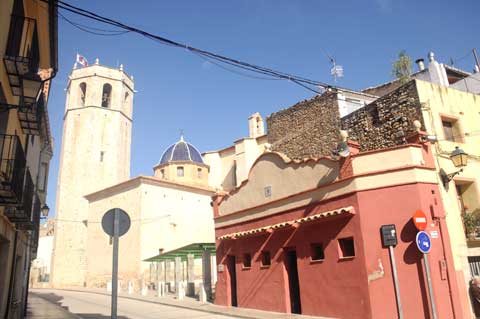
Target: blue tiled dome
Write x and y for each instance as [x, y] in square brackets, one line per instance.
[181, 151]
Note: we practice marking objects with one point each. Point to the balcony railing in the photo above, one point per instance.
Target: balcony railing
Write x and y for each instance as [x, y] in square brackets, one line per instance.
[16, 184]
[22, 54]
[30, 116]
[12, 169]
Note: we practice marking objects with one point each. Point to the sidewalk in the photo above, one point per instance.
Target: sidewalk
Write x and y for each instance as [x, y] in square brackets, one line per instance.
[193, 304]
[39, 308]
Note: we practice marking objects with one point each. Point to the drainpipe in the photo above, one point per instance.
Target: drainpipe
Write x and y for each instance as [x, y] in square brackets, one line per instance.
[12, 276]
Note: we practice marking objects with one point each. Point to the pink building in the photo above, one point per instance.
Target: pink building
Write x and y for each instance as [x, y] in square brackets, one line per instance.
[304, 236]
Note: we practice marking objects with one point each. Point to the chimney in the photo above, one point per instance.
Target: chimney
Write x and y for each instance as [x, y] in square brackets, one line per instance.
[421, 64]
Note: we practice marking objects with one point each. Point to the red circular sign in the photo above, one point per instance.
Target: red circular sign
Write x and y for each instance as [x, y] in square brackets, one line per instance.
[420, 220]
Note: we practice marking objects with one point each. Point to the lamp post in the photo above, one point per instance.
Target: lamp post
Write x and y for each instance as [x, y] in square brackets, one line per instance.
[459, 159]
[44, 211]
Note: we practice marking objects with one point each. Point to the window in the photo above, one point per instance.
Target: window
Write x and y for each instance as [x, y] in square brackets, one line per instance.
[266, 260]
[451, 129]
[247, 261]
[180, 171]
[468, 202]
[317, 252]
[101, 156]
[199, 172]
[347, 247]
[448, 131]
[82, 93]
[125, 101]
[106, 95]
[162, 173]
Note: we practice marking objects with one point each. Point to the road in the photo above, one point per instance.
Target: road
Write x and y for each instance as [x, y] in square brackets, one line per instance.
[90, 305]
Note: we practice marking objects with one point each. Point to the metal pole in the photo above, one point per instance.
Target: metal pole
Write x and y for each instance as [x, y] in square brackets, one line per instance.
[116, 223]
[395, 282]
[430, 289]
[476, 57]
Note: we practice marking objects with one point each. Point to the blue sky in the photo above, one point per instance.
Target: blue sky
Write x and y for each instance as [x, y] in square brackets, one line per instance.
[177, 90]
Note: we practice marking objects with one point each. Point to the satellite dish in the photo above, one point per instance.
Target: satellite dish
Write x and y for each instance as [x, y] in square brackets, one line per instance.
[343, 149]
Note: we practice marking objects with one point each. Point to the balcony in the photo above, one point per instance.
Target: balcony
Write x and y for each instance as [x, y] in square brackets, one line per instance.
[30, 116]
[16, 184]
[22, 58]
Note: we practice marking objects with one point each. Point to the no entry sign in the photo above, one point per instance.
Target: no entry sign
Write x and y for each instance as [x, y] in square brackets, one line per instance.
[420, 220]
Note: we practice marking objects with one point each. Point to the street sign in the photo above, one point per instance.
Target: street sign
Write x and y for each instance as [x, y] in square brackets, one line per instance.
[109, 218]
[389, 235]
[420, 220]
[115, 223]
[424, 243]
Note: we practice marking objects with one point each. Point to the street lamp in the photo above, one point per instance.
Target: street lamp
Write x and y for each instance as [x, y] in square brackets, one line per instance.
[32, 85]
[44, 211]
[459, 159]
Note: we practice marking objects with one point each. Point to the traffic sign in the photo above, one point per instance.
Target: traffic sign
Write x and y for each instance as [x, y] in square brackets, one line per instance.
[123, 222]
[424, 243]
[420, 220]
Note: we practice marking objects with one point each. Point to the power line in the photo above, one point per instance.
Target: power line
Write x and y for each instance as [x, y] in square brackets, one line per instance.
[92, 30]
[266, 72]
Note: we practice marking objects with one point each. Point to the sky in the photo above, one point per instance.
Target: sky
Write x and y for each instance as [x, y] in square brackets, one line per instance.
[180, 91]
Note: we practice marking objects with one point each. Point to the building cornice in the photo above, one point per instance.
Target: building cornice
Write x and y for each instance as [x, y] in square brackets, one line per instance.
[97, 107]
[408, 174]
[150, 180]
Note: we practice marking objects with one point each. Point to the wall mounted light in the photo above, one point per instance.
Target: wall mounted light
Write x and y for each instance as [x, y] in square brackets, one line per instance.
[459, 159]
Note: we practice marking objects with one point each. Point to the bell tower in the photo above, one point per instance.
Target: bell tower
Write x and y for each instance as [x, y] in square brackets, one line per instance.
[95, 154]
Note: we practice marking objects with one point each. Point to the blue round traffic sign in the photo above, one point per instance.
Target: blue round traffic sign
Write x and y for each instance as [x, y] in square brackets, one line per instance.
[424, 243]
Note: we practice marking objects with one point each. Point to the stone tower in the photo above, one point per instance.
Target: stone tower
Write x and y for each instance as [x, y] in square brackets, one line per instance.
[95, 154]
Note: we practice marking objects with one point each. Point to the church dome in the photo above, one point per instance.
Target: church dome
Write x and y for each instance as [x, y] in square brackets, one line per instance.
[181, 151]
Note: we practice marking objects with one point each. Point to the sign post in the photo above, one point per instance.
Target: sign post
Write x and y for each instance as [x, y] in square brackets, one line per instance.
[389, 238]
[115, 223]
[424, 244]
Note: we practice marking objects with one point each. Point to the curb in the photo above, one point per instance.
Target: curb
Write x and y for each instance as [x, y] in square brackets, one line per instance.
[152, 302]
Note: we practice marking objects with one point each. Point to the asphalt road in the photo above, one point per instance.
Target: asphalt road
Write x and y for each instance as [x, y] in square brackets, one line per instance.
[90, 305]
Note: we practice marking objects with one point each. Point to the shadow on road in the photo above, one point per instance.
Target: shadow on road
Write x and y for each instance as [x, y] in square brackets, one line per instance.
[55, 299]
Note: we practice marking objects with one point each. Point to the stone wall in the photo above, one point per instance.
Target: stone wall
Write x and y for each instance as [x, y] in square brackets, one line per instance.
[387, 121]
[308, 128]
[311, 127]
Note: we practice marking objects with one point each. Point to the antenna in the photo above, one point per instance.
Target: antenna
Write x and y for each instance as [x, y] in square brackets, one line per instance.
[337, 70]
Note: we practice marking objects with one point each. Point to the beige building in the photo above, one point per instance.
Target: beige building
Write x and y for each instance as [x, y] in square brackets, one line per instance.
[168, 210]
[28, 45]
[230, 166]
[95, 154]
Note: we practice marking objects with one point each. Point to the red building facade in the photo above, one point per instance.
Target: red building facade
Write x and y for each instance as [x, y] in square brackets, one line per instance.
[304, 237]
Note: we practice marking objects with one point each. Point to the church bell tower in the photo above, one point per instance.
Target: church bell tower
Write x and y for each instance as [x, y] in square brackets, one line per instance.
[95, 154]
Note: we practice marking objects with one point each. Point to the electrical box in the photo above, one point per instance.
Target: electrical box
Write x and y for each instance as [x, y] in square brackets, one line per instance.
[389, 235]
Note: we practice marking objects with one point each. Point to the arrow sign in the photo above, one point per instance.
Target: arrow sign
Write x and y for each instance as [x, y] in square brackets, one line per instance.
[424, 243]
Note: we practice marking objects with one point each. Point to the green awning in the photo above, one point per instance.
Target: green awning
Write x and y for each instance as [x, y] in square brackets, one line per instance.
[196, 249]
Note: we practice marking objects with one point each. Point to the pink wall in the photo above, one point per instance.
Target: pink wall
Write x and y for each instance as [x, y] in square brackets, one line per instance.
[341, 288]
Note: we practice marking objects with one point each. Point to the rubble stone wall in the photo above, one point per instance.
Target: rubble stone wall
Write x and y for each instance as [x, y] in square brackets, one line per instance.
[311, 128]
[387, 121]
[308, 128]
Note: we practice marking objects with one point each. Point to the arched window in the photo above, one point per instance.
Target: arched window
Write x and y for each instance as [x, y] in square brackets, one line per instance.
[106, 95]
[82, 93]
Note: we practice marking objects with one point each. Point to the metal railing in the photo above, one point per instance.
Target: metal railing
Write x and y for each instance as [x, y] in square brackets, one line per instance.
[22, 49]
[16, 184]
[12, 166]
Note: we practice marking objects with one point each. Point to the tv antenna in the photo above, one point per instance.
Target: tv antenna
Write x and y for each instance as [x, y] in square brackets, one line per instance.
[337, 70]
